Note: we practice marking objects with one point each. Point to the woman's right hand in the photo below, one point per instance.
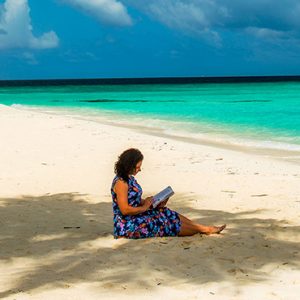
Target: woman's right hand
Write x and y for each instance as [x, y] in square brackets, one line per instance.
[147, 203]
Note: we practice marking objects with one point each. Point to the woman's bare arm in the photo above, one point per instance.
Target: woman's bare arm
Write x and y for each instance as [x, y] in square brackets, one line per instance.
[121, 189]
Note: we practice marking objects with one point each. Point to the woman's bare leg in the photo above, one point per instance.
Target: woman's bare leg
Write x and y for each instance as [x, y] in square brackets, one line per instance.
[188, 227]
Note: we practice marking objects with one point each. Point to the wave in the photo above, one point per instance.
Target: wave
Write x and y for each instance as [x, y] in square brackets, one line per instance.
[19, 106]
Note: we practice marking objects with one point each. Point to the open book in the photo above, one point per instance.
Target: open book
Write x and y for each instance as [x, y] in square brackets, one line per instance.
[162, 196]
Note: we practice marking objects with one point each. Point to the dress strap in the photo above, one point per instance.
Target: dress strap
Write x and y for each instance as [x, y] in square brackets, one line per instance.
[114, 182]
[116, 178]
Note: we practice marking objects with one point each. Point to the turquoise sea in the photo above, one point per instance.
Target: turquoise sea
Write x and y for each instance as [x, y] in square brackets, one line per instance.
[260, 114]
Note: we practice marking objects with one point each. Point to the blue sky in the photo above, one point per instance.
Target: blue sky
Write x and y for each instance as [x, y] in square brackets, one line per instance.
[42, 39]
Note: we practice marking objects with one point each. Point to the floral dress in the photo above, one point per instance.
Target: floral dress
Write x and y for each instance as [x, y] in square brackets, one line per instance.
[155, 222]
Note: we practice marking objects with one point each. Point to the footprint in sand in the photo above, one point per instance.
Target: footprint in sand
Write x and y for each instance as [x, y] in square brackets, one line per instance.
[236, 271]
[227, 259]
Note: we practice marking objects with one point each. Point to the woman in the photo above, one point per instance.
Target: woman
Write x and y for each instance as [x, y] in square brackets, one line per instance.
[135, 217]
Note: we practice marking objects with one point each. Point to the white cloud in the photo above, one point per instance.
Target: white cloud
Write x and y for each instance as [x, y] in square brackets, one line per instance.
[265, 33]
[210, 19]
[106, 11]
[191, 17]
[16, 28]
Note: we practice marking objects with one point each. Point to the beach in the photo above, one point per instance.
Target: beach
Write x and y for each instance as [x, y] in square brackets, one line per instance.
[56, 215]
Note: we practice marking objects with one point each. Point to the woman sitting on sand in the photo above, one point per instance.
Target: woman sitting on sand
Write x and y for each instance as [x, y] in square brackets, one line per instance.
[135, 217]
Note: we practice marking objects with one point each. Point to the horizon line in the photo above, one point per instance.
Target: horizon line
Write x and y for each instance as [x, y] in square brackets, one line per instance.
[149, 80]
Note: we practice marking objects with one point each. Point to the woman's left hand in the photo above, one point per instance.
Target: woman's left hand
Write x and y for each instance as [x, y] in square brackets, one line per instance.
[163, 204]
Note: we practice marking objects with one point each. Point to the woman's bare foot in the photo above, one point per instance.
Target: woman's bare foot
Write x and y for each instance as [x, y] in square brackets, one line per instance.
[215, 229]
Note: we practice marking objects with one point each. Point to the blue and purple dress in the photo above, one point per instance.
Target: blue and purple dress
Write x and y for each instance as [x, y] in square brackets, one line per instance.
[155, 222]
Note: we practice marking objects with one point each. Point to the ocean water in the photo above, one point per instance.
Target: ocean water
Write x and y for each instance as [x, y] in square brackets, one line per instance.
[257, 114]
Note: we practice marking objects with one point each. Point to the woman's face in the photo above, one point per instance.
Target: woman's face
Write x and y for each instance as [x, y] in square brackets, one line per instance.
[137, 168]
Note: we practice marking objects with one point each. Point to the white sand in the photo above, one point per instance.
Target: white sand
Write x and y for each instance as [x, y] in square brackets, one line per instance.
[56, 172]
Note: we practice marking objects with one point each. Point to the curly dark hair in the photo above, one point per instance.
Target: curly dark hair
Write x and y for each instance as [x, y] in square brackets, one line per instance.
[127, 162]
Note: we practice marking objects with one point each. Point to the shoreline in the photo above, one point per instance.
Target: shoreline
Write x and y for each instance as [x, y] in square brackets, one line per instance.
[225, 142]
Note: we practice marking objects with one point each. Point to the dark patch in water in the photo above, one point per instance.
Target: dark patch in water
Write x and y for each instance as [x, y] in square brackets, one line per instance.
[123, 101]
[237, 101]
[112, 101]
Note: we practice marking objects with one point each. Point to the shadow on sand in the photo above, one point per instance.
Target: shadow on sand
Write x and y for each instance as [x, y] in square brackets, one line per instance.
[65, 240]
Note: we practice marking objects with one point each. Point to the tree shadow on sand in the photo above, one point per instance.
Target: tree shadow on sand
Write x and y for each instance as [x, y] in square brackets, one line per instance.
[65, 240]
